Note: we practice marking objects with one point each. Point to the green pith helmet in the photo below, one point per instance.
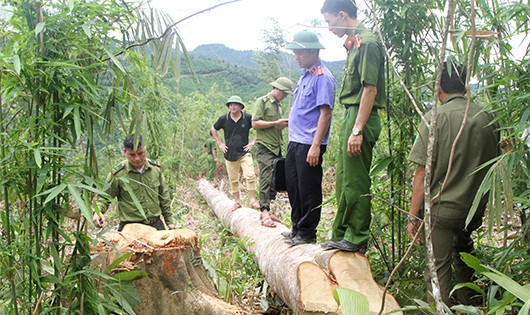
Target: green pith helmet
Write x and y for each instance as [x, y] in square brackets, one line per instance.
[235, 99]
[283, 84]
[305, 40]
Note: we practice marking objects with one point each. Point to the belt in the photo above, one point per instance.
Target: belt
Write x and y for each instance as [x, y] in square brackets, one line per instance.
[374, 109]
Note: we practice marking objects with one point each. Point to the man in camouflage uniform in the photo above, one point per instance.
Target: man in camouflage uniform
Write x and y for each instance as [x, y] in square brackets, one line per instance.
[268, 122]
[141, 179]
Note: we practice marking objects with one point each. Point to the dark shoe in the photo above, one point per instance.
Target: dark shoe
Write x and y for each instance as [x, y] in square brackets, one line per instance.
[288, 234]
[326, 245]
[298, 240]
[348, 246]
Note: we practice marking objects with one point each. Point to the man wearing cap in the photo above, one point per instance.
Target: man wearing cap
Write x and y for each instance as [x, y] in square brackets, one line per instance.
[362, 93]
[236, 125]
[268, 122]
[309, 126]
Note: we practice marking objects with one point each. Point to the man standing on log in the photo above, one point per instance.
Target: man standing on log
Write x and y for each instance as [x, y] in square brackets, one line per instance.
[236, 125]
[362, 93]
[268, 122]
[455, 179]
[138, 181]
[309, 126]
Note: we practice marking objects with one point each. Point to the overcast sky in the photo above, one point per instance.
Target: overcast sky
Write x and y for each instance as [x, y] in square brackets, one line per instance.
[239, 25]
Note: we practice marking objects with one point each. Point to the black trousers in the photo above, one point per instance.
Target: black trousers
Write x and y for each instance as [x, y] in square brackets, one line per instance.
[155, 222]
[304, 186]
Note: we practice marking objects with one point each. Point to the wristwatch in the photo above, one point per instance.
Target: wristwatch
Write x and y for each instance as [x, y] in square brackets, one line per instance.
[356, 132]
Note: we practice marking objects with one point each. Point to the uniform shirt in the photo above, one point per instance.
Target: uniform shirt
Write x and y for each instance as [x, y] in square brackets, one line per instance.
[268, 109]
[210, 146]
[235, 133]
[365, 64]
[477, 145]
[316, 87]
[148, 187]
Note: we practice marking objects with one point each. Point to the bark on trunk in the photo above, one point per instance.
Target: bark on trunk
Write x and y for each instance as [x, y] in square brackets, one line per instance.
[177, 282]
[303, 276]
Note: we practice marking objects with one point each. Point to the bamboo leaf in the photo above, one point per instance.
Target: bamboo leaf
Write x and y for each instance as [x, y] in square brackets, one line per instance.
[523, 293]
[87, 30]
[77, 122]
[86, 211]
[53, 192]
[115, 60]
[118, 261]
[16, 64]
[136, 202]
[351, 301]
[37, 157]
[130, 275]
[39, 28]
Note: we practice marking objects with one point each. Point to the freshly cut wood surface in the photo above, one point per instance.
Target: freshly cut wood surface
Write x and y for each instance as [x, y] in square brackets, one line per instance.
[176, 281]
[303, 276]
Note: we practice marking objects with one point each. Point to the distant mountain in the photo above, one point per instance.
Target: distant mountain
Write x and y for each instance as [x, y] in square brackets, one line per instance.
[234, 72]
[245, 58]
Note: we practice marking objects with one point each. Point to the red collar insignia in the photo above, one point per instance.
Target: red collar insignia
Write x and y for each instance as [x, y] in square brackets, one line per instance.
[348, 43]
[318, 70]
[358, 42]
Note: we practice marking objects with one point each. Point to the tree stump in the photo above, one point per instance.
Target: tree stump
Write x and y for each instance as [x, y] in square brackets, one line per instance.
[304, 276]
[177, 282]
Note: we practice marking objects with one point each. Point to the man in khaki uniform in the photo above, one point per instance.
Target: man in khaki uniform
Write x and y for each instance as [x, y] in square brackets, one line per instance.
[268, 123]
[453, 188]
[140, 179]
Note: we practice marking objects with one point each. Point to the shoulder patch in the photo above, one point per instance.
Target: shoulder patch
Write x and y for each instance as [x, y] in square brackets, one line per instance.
[154, 162]
[118, 168]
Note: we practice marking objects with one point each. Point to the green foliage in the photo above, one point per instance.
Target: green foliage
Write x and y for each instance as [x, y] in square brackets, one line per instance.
[60, 104]
[351, 301]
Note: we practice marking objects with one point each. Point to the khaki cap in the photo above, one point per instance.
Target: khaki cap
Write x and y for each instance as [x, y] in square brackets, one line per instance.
[283, 84]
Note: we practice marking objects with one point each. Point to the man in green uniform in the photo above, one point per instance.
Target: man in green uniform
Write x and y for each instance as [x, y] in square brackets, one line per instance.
[268, 123]
[209, 146]
[454, 183]
[362, 93]
[138, 179]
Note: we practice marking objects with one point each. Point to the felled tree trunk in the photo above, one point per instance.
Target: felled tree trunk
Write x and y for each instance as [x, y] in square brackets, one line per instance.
[304, 276]
[177, 282]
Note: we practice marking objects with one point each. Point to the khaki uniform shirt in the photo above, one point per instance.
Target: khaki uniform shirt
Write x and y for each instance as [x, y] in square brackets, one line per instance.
[268, 109]
[365, 64]
[477, 144]
[147, 187]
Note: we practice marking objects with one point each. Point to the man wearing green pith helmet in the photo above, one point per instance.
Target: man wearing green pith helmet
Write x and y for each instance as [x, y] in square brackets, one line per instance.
[268, 122]
[236, 126]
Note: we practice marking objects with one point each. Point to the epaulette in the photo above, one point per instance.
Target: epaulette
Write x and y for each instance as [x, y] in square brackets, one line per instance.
[118, 168]
[358, 41]
[154, 162]
[318, 70]
[348, 44]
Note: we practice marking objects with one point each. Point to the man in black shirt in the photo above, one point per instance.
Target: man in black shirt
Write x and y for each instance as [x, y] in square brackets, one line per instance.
[236, 125]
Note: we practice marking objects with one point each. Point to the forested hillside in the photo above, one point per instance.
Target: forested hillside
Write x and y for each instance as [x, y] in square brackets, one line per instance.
[234, 71]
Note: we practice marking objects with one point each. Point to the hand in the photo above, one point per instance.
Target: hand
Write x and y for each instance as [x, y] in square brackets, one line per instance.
[413, 229]
[222, 147]
[172, 226]
[354, 145]
[248, 147]
[282, 123]
[313, 156]
[98, 220]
